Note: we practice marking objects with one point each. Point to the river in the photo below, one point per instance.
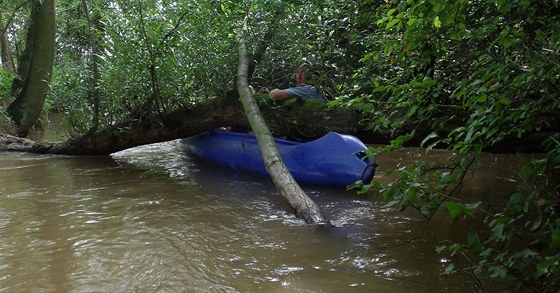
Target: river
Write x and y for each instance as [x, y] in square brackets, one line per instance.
[153, 219]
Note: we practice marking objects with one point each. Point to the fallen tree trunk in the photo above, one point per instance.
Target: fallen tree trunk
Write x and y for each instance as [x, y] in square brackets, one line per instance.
[290, 190]
[184, 122]
[285, 120]
[16, 144]
[298, 121]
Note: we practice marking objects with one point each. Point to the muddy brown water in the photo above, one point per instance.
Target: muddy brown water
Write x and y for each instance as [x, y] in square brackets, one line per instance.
[153, 219]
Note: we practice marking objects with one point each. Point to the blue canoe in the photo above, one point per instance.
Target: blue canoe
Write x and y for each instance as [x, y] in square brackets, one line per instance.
[334, 159]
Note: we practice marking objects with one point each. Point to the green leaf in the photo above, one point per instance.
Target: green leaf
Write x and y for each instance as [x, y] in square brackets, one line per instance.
[505, 101]
[437, 22]
[449, 269]
[556, 237]
[392, 23]
[540, 35]
[440, 249]
[497, 232]
[537, 223]
[426, 211]
[470, 208]
[391, 203]
[454, 210]
[498, 272]
[404, 204]
[473, 240]
[486, 252]
[428, 137]
[526, 253]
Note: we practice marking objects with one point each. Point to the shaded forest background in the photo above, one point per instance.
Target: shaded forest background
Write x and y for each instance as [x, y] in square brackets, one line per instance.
[467, 76]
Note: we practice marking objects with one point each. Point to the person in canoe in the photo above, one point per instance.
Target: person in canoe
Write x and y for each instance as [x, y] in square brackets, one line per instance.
[301, 90]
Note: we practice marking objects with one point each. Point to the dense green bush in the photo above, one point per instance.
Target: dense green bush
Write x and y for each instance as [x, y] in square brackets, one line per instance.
[497, 64]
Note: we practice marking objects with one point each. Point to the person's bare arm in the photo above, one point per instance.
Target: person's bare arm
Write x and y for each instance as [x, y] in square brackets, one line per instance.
[278, 95]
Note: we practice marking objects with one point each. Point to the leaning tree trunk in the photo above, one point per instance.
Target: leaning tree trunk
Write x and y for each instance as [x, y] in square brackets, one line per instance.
[304, 206]
[36, 76]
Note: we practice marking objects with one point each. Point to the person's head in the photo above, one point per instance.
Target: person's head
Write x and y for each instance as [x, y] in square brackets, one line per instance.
[304, 74]
[301, 75]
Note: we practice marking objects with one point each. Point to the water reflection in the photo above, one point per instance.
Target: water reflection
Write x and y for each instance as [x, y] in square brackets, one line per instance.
[152, 219]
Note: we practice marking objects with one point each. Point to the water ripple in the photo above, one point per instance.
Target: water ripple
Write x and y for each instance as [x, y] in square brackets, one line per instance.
[152, 219]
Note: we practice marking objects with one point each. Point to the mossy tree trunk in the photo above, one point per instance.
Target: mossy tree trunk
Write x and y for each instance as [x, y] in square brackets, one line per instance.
[296, 198]
[35, 68]
[5, 51]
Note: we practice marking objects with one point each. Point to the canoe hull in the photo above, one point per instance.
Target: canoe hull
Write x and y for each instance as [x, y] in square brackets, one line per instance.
[334, 159]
